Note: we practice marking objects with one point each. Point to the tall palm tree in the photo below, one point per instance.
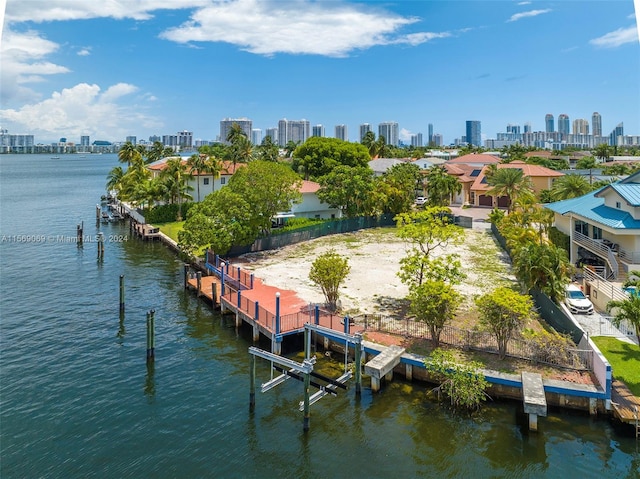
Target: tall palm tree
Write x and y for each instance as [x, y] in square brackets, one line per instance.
[114, 179]
[128, 153]
[369, 141]
[289, 148]
[603, 152]
[200, 164]
[570, 186]
[174, 179]
[441, 186]
[234, 133]
[240, 151]
[268, 150]
[509, 182]
[156, 152]
[628, 309]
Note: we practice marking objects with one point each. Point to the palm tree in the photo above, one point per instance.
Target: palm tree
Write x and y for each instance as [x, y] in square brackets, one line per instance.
[156, 152]
[441, 186]
[382, 149]
[240, 151]
[174, 179]
[509, 182]
[128, 153]
[369, 141]
[200, 164]
[603, 152]
[268, 150]
[570, 186]
[114, 179]
[628, 309]
[234, 133]
[289, 148]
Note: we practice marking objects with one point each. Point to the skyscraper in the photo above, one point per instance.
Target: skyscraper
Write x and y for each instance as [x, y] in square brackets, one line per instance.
[341, 132]
[617, 131]
[416, 140]
[563, 124]
[85, 141]
[430, 137]
[390, 131]
[596, 124]
[527, 127]
[317, 130]
[185, 139]
[225, 126]
[549, 126]
[131, 139]
[273, 134]
[364, 128]
[293, 130]
[474, 133]
[580, 127]
[256, 136]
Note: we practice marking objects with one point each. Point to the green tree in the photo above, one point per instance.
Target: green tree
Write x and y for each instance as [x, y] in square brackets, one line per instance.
[268, 150]
[240, 150]
[329, 271]
[201, 164]
[426, 231]
[504, 312]
[369, 142]
[434, 303]
[157, 152]
[464, 384]
[222, 220]
[114, 179]
[174, 179]
[290, 148]
[318, 156]
[542, 266]
[268, 188]
[602, 152]
[397, 186]
[441, 186]
[626, 310]
[350, 189]
[509, 182]
[570, 186]
[128, 153]
[415, 267]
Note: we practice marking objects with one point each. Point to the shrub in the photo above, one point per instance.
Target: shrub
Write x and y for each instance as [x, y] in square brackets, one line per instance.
[165, 213]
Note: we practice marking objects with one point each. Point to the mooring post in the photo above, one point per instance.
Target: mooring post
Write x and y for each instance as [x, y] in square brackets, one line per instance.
[100, 245]
[256, 314]
[307, 343]
[358, 361]
[239, 298]
[238, 274]
[221, 281]
[186, 275]
[98, 213]
[198, 283]
[307, 416]
[151, 340]
[252, 383]
[346, 325]
[122, 293]
[214, 293]
[79, 235]
[278, 312]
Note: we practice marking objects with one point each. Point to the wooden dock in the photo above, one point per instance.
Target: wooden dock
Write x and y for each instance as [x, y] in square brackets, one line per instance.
[146, 232]
[207, 288]
[626, 406]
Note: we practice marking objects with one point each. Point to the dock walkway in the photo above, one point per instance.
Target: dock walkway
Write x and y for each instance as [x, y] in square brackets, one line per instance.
[626, 406]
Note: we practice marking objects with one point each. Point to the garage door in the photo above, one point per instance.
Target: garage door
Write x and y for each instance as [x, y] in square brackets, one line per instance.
[484, 200]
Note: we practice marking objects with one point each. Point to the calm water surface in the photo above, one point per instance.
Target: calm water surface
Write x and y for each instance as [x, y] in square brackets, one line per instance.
[78, 401]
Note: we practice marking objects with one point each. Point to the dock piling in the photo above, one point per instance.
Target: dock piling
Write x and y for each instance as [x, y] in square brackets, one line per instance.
[100, 245]
[122, 293]
[151, 340]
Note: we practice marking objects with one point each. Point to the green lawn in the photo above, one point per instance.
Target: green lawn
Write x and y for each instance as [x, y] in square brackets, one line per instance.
[624, 359]
[171, 229]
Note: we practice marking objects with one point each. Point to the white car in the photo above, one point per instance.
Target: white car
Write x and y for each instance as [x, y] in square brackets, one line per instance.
[420, 200]
[576, 300]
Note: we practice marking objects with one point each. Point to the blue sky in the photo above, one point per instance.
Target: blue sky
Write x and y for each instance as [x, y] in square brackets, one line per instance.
[110, 68]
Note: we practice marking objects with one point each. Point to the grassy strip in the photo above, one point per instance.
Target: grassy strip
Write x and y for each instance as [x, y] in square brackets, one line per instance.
[624, 359]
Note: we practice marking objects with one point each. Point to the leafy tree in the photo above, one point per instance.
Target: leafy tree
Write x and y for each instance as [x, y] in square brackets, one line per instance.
[382, 148]
[369, 142]
[240, 150]
[222, 220]
[174, 180]
[114, 179]
[586, 163]
[552, 164]
[602, 152]
[200, 164]
[441, 186]
[509, 182]
[268, 188]
[434, 303]
[318, 156]
[544, 267]
[504, 312]
[617, 169]
[350, 189]
[416, 267]
[425, 231]
[626, 310]
[397, 186]
[329, 270]
[464, 384]
[570, 186]
[514, 152]
[156, 152]
[268, 150]
[290, 148]
[128, 153]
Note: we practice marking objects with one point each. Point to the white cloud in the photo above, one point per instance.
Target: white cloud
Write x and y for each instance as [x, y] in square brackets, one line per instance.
[530, 13]
[23, 63]
[616, 38]
[81, 110]
[57, 10]
[405, 135]
[85, 51]
[296, 27]
[524, 3]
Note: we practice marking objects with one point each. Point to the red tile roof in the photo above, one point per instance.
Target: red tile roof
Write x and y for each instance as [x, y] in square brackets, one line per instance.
[475, 158]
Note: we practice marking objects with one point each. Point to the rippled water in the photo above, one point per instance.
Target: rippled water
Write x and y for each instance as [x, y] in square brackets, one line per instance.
[77, 399]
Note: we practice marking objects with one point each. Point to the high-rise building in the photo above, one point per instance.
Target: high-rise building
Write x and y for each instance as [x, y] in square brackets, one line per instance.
[273, 134]
[437, 140]
[596, 124]
[390, 131]
[364, 128]
[318, 130]
[293, 130]
[527, 128]
[563, 124]
[225, 127]
[617, 132]
[430, 137]
[416, 140]
[154, 138]
[341, 132]
[580, 126]
[131, 139]
[185, 139]
[474, 133]
[85, 140]
[256, 136]
[515, 129]
[548, 123]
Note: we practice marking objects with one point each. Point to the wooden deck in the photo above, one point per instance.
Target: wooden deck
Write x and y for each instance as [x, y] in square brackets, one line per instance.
[146, 232]
[626, 406]
[206, 288]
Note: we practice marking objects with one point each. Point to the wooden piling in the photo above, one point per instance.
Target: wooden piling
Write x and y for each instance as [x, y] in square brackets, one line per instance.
[151, 340]
[100, 245]
[252, 383]
[307, 386]
[79, 233]
[122, 293]
[186, 275]
[98, 211]
[214, 294]
[198, 283]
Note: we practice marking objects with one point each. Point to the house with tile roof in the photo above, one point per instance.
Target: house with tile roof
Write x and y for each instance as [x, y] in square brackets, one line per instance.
[475, 159]
[541, 178]
[604, 227]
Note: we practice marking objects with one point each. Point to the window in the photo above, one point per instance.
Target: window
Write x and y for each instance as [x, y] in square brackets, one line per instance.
[618, 205]
[223, 180]
[582, 227]
[206, 181]
[597, 233]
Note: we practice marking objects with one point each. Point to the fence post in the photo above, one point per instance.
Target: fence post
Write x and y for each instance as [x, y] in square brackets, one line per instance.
[278, 312]
[317, 314]
[257, 312]
[221, 281]
[251, 280]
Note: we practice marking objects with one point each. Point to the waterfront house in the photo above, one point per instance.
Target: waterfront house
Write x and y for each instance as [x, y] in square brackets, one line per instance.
[604, 227]
[309, 207]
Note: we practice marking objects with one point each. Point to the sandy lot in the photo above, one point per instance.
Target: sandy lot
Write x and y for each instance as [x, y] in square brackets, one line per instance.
[374, 256]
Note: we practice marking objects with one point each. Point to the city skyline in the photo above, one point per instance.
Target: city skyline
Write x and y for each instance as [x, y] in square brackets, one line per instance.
[73, 69]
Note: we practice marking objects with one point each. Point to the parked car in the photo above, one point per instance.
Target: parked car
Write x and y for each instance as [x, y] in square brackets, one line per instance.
[576, 300]
[421, 200]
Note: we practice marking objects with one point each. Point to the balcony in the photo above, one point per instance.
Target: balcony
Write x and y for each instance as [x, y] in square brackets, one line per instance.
[603, 248]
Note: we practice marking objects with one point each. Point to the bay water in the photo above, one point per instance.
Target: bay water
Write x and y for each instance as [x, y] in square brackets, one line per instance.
[77, 399]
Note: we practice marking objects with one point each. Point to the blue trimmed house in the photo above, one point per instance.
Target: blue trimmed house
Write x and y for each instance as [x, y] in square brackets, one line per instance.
[604, 228]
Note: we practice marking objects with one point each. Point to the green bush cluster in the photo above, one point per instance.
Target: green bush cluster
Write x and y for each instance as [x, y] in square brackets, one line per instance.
[559, 238]
[165, 213]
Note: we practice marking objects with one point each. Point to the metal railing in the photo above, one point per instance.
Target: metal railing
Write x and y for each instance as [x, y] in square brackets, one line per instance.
[601, 284]
[632, 257]
[599, 248]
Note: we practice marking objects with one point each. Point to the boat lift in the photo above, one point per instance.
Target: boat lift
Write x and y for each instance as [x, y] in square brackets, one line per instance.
[304, 371]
